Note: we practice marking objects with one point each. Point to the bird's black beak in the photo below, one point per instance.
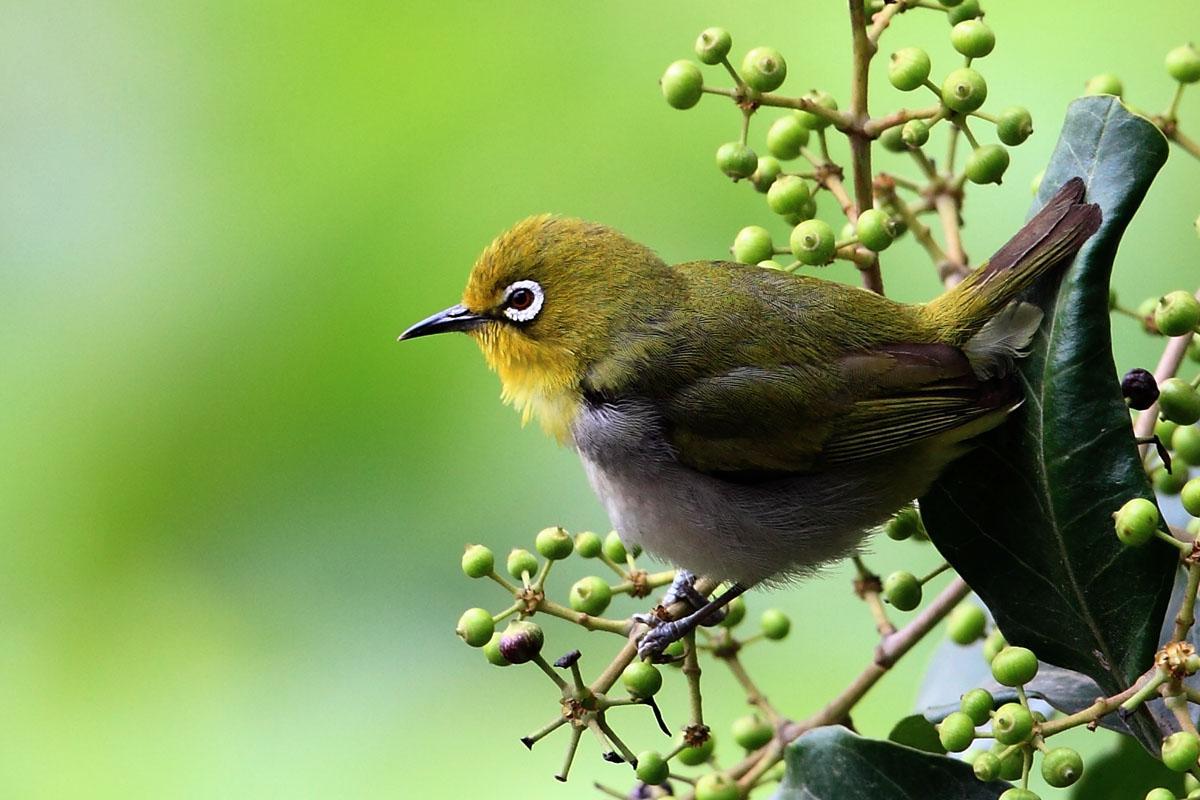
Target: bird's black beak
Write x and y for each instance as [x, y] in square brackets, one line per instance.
[454, 318]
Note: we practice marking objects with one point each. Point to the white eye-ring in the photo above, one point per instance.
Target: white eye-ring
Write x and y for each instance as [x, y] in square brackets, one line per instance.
[523, 300]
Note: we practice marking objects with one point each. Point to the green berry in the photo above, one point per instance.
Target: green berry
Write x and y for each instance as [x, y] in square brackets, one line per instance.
[1136, 522]
[712, 45]
[674, 652]
[736, 160]
[807, 212]
[590, 595]
[775, 624]
[1011, 764]
[786, 136]
[1012, 723]
[967, 9]
[682, 84]
[966, 623]
[751, 732]
[751, 245]
[1169, 483]
[1183, 64]
[956, 732]
[1180, 751]
[812, 242]
[972, 38]
[1190, 495]
[521, 562]
[915, 132]
[1177, 313]
[1061, 767]
[735, 612]
[491, 652]
[811, 120]
[475, 627]
[1017, 793]
[1014, 125]
[764, 69]
[716, 786]
[1160, 794]
[986, 766]
[587, 544]
[1105, 83]
[788, 195]
[614, 548]
[904, 524]
[1036, 183]
[949, 3]
[477, 561]
[1178, 401]
[987, 164]
[695, 756]
[892, 139]
[902, 590]
[1165, 430]
[1190, 782]
[909, 68]
[977, 704]
[1014, 666]
[554, 543]
[873, 231]
[765, 173]
[642, 679]
[964, 90]
[521, 641]
[652, 768]
[993, 644]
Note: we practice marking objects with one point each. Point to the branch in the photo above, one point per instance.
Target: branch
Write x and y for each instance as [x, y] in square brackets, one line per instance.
[860, 142]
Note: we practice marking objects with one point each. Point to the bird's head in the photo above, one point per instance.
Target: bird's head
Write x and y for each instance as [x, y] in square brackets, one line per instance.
[545, 301]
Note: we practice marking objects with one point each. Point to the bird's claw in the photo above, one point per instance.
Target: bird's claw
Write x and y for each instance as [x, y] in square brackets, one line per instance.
[659, 638]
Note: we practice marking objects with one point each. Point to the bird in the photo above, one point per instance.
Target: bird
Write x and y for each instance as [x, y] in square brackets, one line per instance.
[742, 422]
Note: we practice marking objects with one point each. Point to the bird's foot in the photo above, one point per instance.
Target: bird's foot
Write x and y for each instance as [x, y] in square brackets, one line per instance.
[656, 640]
[683, 589]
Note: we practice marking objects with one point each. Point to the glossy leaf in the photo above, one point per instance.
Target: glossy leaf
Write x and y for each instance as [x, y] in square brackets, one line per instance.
[1025, 517]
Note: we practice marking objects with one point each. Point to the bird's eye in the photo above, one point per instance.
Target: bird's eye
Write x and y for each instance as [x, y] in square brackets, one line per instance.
[523, 300]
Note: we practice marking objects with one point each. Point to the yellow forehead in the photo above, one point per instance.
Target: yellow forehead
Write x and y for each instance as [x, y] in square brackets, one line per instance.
[514, 255]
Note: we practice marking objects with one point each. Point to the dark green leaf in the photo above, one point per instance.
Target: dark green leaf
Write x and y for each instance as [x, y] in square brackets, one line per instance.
[1025, 518]
[834, 764]
[917, 732]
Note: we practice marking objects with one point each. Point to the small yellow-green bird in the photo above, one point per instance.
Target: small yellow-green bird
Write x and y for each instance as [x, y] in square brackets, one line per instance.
[742, 422]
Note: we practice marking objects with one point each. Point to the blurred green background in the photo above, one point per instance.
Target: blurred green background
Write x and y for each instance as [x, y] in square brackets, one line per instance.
[232, 507]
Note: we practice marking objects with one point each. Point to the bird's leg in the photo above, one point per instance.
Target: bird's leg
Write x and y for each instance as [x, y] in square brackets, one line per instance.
[657, 639]
[681, 590]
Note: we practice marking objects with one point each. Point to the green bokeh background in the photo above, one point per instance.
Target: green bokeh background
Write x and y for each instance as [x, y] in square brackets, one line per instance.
[231, 506]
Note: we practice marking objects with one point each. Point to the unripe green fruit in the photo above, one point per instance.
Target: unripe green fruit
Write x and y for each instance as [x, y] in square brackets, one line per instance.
[1061, 767]
[521, 641]
[587, 544]
[986, 766]
[554, 543]
[956, 732]
[892, 139]
[993, 644]
[590, 595]
[520, 562]
[915, 132]
[812, 242]
[1105, 83]
[1183, 64]
[775, 624]
[909, 68]
[642, 679]
[1180, 751]
[872, 229]
[966, 623]
[1178, 401]
[1160, 794]
[811, 120]
[477, 561]
[972, 38]
[1136, 522]
[716, 786]
[1014, 125]
[967, 9]
[977, 704]
[807, 212]
[788, 195]
[712, 45]
[614, 548]
[674, 652]
[1169, 483]
[682, 85]
[491, 652]
[1177, 313]
[987, 164]
[736, 160]
[735, 612]
[1165, 430]
[902, 590]
[949, 3]
[1017, 793]
[786, 136]
[1190, 496]
[752, 244]
[763, 69]
[964, 90]
[475, 627]
[905, 524]
[1012, 723]
[652, 768]
[695, 756]
[1036, 183]
[765, 173]
[751, 732]
[1014, 666]
[1190, 782]
[1011, 764]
